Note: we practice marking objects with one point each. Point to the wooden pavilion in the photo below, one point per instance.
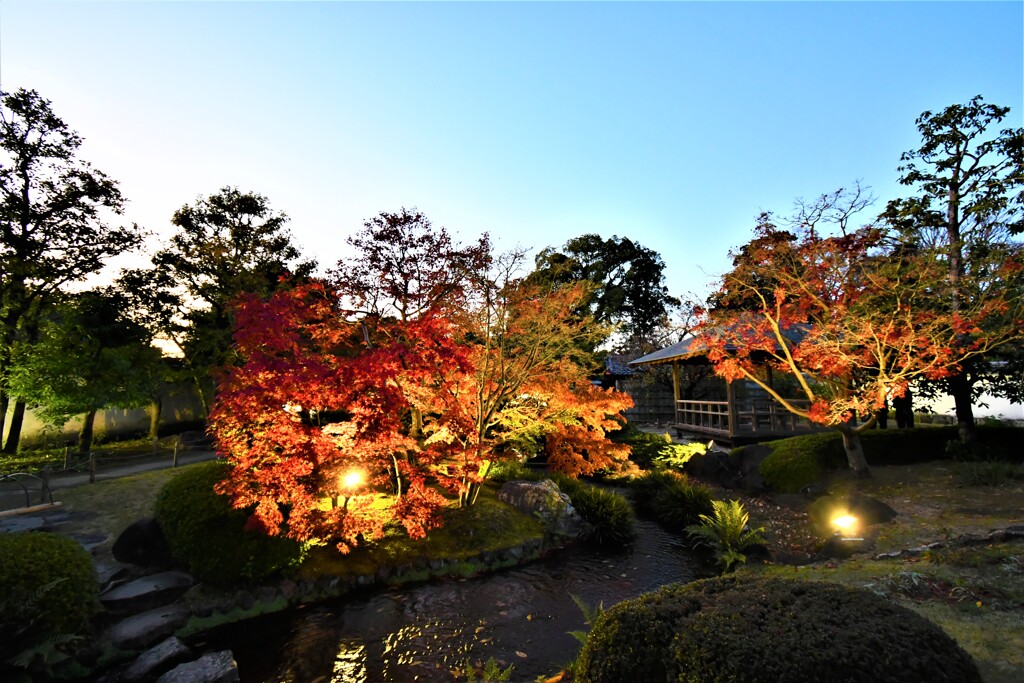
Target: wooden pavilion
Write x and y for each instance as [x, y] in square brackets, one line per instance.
[747, 415]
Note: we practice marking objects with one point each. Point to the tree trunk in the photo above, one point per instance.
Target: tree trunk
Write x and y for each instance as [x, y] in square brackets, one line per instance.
[960, 390]
[154, 417]
[14, 433]
[854, 451]
[85, 433]
[201, 395]
[5, 402]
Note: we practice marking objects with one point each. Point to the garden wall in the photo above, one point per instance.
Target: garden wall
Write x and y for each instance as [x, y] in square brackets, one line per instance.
[178, 406]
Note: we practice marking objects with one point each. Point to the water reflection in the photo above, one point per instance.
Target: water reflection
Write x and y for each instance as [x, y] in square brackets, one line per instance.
[431, 632]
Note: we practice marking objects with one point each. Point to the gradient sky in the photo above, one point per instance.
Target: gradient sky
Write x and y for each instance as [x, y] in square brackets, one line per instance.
[673, 124]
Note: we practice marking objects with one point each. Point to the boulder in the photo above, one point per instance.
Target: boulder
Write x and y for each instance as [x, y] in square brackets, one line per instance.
[156, 661]
[545, 501]
[143, 543]
[216, 667]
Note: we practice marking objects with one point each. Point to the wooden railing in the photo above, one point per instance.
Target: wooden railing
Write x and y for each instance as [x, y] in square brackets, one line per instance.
[748, 418]
[705, 417]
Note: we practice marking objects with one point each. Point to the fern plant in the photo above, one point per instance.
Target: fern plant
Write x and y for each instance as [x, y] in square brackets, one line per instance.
[489, 671]
[590, 615]
[726, 532]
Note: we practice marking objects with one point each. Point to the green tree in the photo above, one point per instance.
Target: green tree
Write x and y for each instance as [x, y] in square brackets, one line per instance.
[89, 356]
[969, 202]
[629, 281]
[52, 209]
[227, 244]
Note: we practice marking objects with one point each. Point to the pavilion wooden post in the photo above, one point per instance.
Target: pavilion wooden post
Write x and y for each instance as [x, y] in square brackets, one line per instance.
[730, 414]
[675, 391]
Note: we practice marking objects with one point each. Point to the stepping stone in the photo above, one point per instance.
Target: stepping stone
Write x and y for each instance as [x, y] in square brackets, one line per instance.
[89, 541]
[217, 667]
[144, 630]
[157, 660]
[146, 592]
[24, 523]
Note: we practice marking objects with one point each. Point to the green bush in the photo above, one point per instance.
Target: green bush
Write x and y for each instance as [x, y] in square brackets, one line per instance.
[48, 592]
[731, 629]
[208, 536]
[673, 499]
[801, 460]
[609, 513]
[645, 446]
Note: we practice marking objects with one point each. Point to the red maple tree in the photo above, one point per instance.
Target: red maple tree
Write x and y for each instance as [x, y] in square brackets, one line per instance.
[340, 421]
[850, 318]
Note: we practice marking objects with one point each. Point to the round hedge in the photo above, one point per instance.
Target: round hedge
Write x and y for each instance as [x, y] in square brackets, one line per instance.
[731, 629]
[209, 537]
[29, 563]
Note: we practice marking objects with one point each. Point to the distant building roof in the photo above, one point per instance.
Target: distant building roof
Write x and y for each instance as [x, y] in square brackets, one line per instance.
[690, 348]
[616, 365]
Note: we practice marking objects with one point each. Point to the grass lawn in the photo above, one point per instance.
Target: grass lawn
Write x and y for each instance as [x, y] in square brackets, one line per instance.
[974, 592]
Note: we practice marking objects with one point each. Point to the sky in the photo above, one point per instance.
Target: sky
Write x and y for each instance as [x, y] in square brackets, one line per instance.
[671, 123]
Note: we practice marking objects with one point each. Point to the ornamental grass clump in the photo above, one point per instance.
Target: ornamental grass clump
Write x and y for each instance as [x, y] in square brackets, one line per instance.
[727, 533]
[673, 499]
[609, 513]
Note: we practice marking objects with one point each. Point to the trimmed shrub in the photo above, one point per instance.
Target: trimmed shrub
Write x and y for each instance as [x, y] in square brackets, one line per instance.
[209, 537]
[801, 460]
[730, 629]
[48, 588]
[610, 513]
[673, 499]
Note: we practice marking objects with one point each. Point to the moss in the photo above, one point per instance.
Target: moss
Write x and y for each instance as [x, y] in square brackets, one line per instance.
[487, 526]
[783, 631]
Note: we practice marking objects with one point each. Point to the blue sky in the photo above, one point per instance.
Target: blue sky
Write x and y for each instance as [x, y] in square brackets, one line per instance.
[673, 124]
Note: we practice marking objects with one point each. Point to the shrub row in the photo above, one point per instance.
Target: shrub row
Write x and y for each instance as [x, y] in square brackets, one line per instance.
[801, 460]
[208, 536]
[731, 629]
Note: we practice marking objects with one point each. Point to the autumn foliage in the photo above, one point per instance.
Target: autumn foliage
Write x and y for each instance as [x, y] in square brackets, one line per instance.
[851, 318]
[340, 421]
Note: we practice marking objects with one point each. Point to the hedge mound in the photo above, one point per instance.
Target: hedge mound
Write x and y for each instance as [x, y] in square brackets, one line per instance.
[208, 536]
[47, 587]
[731, 629]
[801, 460]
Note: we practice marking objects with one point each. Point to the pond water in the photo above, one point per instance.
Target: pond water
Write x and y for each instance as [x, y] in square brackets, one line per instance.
[519, 616]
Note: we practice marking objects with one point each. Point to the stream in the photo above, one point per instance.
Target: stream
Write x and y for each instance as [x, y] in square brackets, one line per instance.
[519, 616]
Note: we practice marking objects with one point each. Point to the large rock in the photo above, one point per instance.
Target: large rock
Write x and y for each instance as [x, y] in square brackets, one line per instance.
[156, 661]
[216, 667]
[144, 630]
[544, 500]
[146, 592]
[143, 543]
